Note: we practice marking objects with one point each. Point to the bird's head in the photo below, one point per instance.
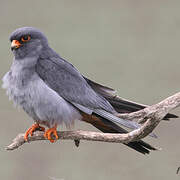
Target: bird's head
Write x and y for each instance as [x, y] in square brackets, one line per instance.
[27, 42]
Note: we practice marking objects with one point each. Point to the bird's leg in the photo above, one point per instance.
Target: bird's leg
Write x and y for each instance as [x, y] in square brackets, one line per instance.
[33, 128]
[51, 131]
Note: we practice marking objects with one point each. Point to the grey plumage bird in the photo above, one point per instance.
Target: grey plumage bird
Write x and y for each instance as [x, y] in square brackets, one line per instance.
[52, 91]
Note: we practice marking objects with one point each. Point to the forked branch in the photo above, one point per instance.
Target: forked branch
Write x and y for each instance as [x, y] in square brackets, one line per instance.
[149, 117]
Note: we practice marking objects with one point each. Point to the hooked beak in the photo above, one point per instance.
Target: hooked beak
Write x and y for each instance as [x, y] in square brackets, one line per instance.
[15, 44]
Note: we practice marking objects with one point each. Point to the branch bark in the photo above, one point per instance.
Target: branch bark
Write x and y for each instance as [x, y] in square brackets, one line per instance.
[149, 117]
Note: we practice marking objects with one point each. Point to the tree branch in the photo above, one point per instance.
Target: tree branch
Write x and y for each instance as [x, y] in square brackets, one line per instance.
[149, 117]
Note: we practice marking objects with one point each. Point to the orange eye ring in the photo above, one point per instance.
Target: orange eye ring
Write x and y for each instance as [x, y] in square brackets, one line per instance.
[25, 38]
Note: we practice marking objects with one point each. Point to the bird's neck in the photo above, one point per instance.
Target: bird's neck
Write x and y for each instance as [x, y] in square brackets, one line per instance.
[48, 52]
[23, 67]
[27, 62]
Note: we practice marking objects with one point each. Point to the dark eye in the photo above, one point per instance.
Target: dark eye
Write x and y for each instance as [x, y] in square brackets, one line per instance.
[25, 38]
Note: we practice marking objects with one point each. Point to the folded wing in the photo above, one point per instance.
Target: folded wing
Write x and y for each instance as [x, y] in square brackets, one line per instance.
[63, 78]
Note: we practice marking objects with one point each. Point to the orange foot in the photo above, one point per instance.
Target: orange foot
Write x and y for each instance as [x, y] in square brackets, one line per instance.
[51, 131]
[32, 129]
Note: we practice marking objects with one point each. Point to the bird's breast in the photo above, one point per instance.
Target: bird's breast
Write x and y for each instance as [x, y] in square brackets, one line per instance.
[16, 82]
[38, 100]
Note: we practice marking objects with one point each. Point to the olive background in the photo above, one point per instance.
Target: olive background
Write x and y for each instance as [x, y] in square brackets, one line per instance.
[132, 46]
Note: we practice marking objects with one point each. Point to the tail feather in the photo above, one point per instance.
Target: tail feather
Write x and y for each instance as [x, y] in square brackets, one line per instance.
[107, 126]
[138, 147]
[120, 105]
[125, 106]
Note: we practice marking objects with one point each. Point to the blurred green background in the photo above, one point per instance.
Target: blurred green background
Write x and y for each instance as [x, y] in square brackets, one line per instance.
[132, 46]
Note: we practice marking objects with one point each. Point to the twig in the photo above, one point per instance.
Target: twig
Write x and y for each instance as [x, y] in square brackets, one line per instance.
[150, 117]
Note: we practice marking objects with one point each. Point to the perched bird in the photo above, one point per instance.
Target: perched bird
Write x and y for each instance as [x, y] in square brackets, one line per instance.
[52, 91]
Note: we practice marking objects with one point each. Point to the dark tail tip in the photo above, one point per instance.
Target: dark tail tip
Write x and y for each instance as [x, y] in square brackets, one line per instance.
[141, 147]
[168, 116]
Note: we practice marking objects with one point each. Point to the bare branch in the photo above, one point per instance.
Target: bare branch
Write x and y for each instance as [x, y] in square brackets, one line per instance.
[150, 117]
